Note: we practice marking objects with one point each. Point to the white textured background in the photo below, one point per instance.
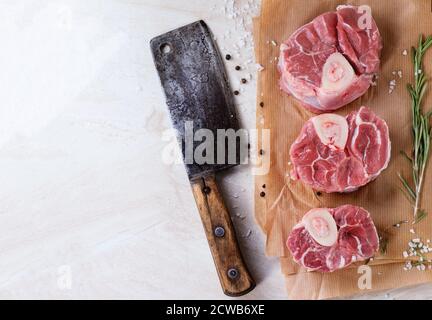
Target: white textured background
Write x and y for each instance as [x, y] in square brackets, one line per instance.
[87, 208]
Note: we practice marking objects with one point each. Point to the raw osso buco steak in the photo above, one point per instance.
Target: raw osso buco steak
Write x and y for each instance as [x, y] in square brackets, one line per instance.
[338, 154]
[327, 240]
[332, 60]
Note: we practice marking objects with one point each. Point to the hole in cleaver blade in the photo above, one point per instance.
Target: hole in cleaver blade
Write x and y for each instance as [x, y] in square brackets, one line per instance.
[199, 99]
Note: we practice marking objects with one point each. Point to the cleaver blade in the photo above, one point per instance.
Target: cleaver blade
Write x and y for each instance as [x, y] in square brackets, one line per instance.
[199, 100]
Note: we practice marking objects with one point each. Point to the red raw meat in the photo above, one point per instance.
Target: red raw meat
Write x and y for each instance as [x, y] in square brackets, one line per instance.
[304, 55]
[357, 240]
[365, 153]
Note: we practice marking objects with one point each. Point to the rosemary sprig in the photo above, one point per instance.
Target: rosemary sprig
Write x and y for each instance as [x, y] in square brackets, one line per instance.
[421, 130]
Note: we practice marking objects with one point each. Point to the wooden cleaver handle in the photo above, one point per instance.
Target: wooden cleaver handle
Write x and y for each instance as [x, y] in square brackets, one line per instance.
[231, 268]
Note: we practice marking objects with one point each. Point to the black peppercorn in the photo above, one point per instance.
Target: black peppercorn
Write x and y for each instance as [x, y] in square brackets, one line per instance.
[319, 194]
[264, 186]
[243, 80]
[228, 57]
[261, 152]
[236, 92]
[261, 104]
[262, 194]
[237, 68]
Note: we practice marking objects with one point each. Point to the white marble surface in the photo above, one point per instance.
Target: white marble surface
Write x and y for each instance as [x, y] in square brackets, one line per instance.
[87, 207]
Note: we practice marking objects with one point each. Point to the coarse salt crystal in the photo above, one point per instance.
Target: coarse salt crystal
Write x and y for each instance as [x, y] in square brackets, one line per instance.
[417, 240]
[274, 43]
[412, 231]
[405, 52]
[405, 254]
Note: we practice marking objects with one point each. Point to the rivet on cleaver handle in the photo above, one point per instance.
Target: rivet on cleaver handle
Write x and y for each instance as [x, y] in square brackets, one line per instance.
[197, 92]
[233, 274]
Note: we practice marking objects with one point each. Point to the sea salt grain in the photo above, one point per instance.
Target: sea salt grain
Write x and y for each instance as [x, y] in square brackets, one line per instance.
[405, 52]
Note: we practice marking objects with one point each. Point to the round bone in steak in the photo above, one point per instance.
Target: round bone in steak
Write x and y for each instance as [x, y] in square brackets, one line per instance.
[332, 60]
[330, 239]
[338, 154]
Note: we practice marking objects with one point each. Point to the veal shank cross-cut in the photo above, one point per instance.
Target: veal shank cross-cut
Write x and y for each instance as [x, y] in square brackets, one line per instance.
[332, 60]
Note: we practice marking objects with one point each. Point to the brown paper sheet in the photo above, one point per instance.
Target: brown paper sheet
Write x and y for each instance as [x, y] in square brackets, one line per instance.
[400, 23]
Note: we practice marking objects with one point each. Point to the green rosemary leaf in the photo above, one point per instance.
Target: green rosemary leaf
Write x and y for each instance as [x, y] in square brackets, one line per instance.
[407, 196]
[407, 187]
[421, 214]
[406, 156]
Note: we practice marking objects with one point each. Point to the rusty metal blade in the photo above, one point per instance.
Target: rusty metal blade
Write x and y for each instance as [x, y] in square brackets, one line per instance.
[197, 92]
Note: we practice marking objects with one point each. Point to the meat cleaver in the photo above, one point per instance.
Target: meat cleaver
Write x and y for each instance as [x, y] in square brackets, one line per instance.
[198, 96]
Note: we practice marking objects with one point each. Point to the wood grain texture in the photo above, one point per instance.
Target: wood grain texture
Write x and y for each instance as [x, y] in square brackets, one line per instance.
[224, 248]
